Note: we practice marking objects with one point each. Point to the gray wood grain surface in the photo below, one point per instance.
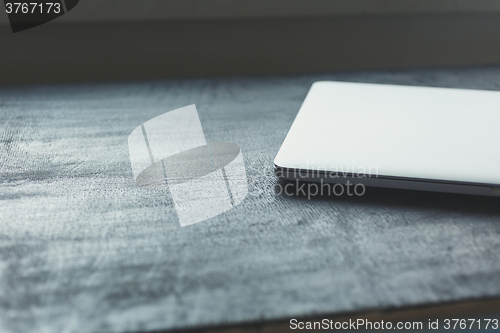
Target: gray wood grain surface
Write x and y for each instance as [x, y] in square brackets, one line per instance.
[83, 249]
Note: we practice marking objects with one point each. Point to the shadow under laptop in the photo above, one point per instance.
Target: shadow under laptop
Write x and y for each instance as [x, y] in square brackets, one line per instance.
[293, 190]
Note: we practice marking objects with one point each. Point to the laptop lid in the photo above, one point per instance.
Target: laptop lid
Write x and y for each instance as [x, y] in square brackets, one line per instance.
[401, 132]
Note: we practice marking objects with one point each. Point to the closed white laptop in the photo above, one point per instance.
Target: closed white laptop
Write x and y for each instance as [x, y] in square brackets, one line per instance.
[420, 138]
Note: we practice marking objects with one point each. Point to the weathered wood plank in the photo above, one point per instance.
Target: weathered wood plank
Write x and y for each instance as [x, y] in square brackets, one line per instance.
[83, 249]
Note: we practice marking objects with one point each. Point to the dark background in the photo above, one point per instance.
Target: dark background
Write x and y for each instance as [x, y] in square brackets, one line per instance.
[135, 40]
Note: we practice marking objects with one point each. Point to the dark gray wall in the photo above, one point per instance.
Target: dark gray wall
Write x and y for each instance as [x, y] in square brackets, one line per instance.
[97, 51]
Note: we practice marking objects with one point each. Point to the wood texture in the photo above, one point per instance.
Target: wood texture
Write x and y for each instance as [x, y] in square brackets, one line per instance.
[83, 249]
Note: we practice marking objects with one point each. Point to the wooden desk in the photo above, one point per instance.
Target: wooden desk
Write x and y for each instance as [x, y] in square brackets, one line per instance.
[83, 249]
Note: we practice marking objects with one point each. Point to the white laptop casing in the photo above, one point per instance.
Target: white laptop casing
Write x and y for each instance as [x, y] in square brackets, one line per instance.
[423, 138]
